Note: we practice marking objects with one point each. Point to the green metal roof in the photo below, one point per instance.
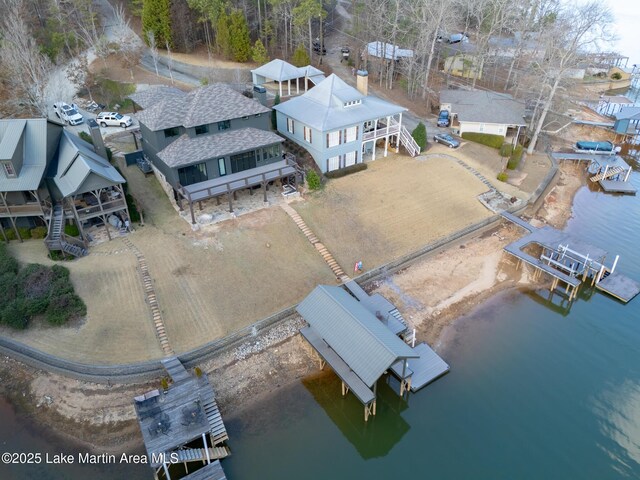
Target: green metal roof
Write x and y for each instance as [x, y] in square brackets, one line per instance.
[354, 333]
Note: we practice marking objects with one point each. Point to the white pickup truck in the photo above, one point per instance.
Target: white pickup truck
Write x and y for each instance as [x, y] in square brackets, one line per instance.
[68, 113]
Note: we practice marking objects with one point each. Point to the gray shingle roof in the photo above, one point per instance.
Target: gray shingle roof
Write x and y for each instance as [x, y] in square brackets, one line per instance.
[323, 108]
[354, 333]
[483, 106]
[33, 133]
[77, 161]
[187, 150]
[205, 105]
[150, 96]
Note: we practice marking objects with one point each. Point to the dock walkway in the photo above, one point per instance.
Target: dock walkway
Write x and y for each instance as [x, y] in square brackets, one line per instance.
[427, 368]
[618, 286]
[213, 471]
[377, 304]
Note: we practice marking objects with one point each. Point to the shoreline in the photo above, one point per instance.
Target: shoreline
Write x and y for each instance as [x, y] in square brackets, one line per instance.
[101, 417]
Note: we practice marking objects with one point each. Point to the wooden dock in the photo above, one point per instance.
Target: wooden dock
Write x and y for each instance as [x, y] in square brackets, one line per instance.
[609, 170]
[213, 471]
[618, 286]
[613, 186]
[427, 368]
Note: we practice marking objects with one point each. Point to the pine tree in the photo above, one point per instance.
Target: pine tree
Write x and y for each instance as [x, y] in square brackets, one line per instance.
[156, 18]
[419, 134]
[300, 57]
[223, 35]
[240, 41]
[259, 53]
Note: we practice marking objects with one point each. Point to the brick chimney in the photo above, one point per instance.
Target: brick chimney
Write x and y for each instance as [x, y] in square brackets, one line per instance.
[362, 82]
[96, 136]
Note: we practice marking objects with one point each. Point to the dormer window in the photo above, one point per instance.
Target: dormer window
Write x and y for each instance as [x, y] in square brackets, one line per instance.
[352, 103]
[9, 170]
[202, 129]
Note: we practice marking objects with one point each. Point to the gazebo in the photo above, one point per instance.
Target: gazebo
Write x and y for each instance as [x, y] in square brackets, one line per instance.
[280, 71]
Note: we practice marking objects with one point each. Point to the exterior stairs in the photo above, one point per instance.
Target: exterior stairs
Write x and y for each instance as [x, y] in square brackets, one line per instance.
[55, 239]
[408, 142]
[199, 454]
[609, 172]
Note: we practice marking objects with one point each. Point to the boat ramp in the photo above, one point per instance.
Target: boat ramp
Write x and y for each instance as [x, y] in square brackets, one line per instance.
[569, 260]
[182, 424]
[610, 171]
[362, 337]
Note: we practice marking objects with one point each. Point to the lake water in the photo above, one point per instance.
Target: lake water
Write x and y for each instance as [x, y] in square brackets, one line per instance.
[535, 391]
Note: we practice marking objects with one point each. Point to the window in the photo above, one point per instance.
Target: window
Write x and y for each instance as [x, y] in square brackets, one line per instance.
[333, 139]
[270, 152]
[222, 167]
[224, 125]
[171, 132]
[192, 174]
[202, 129]
[352, 102]
[351, 134]
[8, 169]
[350, 158]
[290, 127]
[333, 163]
[307, 134]
[243, 161]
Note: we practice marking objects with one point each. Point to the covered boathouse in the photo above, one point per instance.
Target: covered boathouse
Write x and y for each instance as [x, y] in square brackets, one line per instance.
[361, 346]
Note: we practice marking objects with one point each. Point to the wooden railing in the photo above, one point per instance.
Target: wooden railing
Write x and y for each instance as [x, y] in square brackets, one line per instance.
[106, 207]
[22, 210]
[380, 132]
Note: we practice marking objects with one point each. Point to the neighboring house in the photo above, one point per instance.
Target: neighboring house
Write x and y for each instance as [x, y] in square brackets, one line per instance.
[283, 73]
[483, 111]
[387, 51]
[464, 66]
[510, 47]
[627, 121]
[339, 126]
[50, 176]
[210, 142]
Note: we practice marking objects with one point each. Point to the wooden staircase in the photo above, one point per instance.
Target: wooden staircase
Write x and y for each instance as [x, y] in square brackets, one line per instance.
[199, 454]
[56, 240]
[608, 173]
[216, 425]
[408, 142]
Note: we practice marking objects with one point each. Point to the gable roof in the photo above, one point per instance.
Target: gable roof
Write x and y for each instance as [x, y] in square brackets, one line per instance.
[76, 162]
[484, 106]
[35, 134]
[188, 150]
[323, 108]
[631, 113]
[205, 105]
[354, 333]
[146, 98]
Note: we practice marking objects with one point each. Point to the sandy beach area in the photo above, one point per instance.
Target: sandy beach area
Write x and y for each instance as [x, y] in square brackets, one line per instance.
[431, 293]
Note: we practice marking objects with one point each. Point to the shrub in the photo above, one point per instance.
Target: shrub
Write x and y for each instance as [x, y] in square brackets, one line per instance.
[8, 264]
[14, 316]
[35, 282]
[60, 272]
[516, 156]
[502, 176]
[493, 141]
[506, 150]
[86, 137]
[11, 234]
[419, 134]
[8, 287]
[39, 232]
[358, 167]
[25, 232]
[313, 180]
[133, 210]
[65, 307]
[616, 76]
[71, 229]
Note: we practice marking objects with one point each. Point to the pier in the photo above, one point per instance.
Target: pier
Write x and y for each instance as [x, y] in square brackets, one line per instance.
[361, 338]
[182, 424]
[569, 260]
[609, 170]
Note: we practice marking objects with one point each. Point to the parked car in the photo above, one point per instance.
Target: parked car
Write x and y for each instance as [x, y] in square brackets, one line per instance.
[113, 119]
[443, 118]
[68, 113]
[457, 38]
[446, 139]
[319, 49]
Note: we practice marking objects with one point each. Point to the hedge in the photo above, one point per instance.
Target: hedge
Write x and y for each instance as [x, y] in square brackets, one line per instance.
[8, 264]
[493, 141]
[503, 177]
[133, 210]
[39, 232]
[419, 134]
[25, 232]
[346, 171]
[313, 180]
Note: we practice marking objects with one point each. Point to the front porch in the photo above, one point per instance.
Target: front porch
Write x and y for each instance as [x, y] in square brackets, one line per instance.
[32, 207]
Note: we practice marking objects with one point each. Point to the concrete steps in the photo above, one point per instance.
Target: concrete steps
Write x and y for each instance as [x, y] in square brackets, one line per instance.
[313, 239]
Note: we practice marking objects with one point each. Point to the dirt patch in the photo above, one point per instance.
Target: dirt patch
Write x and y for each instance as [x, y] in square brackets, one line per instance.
[556, 208]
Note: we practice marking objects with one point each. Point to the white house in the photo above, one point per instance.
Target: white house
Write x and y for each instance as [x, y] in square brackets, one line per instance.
[483, 111]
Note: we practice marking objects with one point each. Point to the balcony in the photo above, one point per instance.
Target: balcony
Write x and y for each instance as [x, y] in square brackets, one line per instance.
[88, 206]
[24, 210]
[382, 131]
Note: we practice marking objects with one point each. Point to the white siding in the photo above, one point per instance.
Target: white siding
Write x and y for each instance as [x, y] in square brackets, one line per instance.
[488, 128]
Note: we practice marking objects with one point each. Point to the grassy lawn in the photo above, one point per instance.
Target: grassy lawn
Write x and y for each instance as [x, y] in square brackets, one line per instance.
[394, 207]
